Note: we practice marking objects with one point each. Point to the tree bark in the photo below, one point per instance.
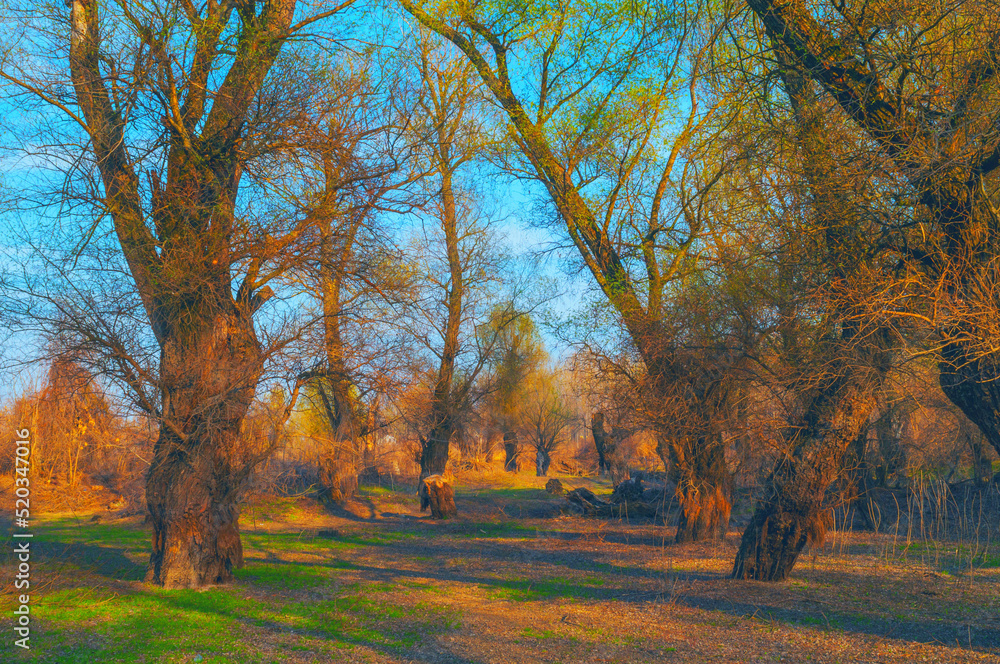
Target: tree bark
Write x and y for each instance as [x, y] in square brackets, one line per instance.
[600, 442]
[199, 465]
[434, 450]
[704, 489]
[792, 513]
[542, 462]
[510, 450]
[437, 494]
[972, 383]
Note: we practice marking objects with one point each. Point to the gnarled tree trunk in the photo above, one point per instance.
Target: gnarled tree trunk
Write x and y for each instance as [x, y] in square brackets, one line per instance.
[434, 450]
[199, 465]
[792, 513]
[542, 462]
[704, 489]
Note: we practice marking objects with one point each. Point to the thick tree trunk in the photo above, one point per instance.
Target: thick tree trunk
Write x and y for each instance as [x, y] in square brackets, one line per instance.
[437, 494]
[195, 518]
[542, 462]
[434, 450]
[792, 513]
[339, 468]
[510, 450]
[199, 461]
[704, 489]
[972, 383]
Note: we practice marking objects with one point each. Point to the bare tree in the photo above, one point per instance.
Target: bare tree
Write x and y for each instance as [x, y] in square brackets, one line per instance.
[174, 107]
[545, 417]
[448, 125]
[587, 134]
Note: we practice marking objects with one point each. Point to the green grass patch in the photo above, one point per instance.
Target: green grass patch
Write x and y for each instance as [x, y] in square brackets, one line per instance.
[532, 590]
[85, 625]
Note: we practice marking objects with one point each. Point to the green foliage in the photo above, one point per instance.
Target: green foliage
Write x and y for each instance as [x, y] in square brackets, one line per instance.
[517, 354]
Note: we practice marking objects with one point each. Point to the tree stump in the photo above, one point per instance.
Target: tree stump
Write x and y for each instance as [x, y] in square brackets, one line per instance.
[554, 487]
[436, 493]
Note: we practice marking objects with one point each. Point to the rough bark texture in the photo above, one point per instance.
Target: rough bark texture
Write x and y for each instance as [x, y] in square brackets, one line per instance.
[194, 514]
[194, 482]
[792, 512]
[542, 462]
[434, 450]
[436, 492]
[704, 490]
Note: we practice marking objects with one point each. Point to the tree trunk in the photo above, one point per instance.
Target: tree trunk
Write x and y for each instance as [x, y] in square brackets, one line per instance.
[542, 462]
[792, 513]
[510, 450]
[860, 480]
[437, 494]
[888, 430]
[339, 468]
[199, 461]
[972, 383]
[434, 450]
[338, 472]
[703, 489]
[600, 442]
[196, 539]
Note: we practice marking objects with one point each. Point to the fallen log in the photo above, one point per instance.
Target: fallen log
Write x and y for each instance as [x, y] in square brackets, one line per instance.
[591, 505]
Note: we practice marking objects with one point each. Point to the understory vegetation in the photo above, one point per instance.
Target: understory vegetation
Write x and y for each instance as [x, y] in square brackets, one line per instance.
[518, 578]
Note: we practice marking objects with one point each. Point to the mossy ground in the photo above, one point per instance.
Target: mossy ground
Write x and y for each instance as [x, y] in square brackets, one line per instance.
[513, 579]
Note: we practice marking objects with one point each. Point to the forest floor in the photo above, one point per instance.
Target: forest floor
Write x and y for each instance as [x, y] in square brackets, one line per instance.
[515, 578]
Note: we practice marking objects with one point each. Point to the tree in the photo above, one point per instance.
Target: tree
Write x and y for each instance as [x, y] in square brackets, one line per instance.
[173, 105]
[517, 355]
[545, 418]
[588, 89]
[889, 72]
[351, 150]
[921, 84]
[448, 130]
